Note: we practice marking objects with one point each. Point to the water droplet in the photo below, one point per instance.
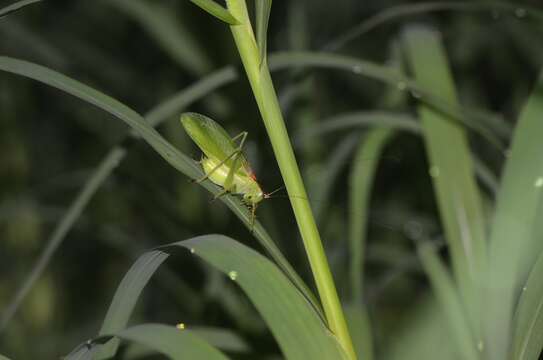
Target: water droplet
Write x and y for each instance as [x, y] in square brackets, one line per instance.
[233, 275]
[357, 69]
[520, 13]
[401, 85]
[538, 182]
[524, 288]
[434, 171]
[192, 251]
[180, 326]
[480, 345]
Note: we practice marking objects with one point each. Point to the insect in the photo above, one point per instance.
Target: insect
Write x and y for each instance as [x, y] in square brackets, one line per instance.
[223, 161]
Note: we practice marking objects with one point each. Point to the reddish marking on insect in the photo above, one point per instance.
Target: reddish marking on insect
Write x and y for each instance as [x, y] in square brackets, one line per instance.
[252, 176]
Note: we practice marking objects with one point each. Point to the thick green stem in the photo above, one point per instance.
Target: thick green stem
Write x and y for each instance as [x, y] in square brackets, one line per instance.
[266, 98]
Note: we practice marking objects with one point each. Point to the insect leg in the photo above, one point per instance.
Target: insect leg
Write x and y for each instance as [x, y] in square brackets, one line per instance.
[235, 164]
[253, 217]
[241, 135]
[237, 152]
[221, 193]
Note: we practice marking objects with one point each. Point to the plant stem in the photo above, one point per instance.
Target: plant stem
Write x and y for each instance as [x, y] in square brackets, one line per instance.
[266, 98]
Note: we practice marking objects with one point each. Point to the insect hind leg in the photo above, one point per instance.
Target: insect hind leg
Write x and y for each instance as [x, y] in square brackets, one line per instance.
[206, 176]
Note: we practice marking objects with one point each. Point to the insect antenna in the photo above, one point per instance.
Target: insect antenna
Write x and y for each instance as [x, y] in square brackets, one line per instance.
[269, 195]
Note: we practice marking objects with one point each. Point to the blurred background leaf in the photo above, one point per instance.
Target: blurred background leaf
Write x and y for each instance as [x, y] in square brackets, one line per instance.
[163, 57]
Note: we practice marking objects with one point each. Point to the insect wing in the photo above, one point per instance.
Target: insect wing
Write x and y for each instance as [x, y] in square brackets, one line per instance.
[214, 141]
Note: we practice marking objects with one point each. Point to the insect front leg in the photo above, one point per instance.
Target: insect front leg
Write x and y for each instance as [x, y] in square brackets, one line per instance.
[243, 136]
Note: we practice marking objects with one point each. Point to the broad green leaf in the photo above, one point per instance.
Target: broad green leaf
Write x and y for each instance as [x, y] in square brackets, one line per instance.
[450, 302]
[421, 335]
[298, 329]
[216, 10]
[263, 10]
[175, 343]
[173, 156]
[451, 169]
[515, 240]
[528, 326]
[168, 31]
[360, 330]
[16, 6]
[361, 181]
[127, 295]
[223, 339]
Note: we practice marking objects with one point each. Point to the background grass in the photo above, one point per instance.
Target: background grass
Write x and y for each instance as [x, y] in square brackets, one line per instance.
[168, 56]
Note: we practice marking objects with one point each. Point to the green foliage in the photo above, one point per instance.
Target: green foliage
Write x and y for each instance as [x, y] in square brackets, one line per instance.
[515, 240]
[175, 343]
[451, 172]
[81, 191]
[16, 6]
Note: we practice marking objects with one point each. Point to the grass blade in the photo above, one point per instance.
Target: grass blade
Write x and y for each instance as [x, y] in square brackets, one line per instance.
[454, 183]
[361, 181]
[528, 333]
[176, 344]
[2, 357]
[450, 302]
[126, 296]
[517, 217]
[360, 119]
[166, 29]
[298, 329]
[263, 10]
[16, 7]
[390, 120]
[154, 117]
[212, 8]
[172, 342]
[422, 335]
[478, 121]
[360, 330]
[223, 339]
[173, 156]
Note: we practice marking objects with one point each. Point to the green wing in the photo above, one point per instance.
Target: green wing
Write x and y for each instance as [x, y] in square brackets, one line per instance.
[213, 140]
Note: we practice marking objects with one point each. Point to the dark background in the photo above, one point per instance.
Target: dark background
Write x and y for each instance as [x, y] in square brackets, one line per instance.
[50, 143]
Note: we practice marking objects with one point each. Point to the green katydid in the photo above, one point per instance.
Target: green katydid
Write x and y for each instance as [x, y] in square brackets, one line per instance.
[223, 161]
